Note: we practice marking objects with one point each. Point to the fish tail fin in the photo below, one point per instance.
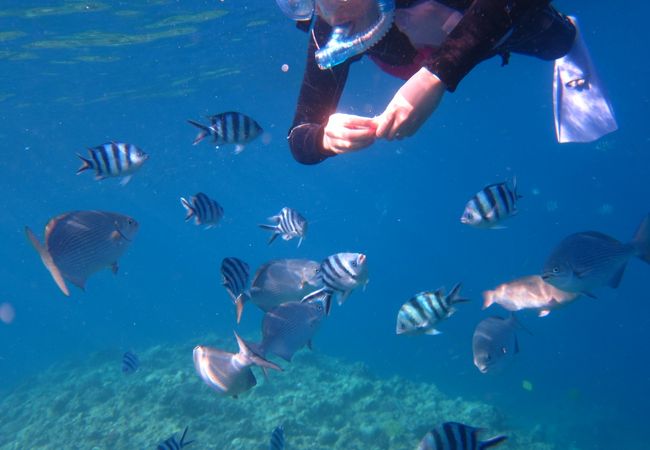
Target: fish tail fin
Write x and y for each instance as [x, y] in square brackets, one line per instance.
[48, 261]
[239, 304]
[492, 442]
[488, 299]
[642, 240]
[182, 442]
[255, 357]
[188, 208]
[85, 164]
[454, 295]
[205, 131]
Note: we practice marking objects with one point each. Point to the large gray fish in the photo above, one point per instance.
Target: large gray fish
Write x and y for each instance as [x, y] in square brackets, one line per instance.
[421, 313]
[289, 327]
[456, 436]
[284, 280]
[288, 224]
[584, 261]
[234, 272]
[491, 205]
[530, 292]
[341, 274]
[80, 243]
[229, 128]
[229, 373]
[494, 342]
[113, 159]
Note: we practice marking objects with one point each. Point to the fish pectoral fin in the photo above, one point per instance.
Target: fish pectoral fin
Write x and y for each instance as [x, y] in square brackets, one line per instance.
[343, 297]
[125, 180]
[239, 306]
[432, 332]
[618, 276]
[544, 313]
[48, 262]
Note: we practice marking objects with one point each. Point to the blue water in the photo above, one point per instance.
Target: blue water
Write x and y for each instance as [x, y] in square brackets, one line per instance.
[397, 202]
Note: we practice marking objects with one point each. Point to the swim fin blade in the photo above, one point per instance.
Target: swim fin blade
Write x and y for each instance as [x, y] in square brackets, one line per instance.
[582, 110]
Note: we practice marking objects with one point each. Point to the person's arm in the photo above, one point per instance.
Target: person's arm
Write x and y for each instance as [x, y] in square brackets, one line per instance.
[484, 24]
[319, 95]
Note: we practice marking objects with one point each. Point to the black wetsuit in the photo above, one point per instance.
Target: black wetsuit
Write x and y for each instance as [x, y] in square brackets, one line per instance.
[530, 27]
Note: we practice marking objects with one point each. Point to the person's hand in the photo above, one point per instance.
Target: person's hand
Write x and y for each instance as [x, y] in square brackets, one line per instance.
[411, 106]
[347, 133]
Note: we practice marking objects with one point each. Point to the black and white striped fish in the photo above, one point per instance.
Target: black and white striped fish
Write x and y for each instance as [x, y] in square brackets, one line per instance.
[491, 205]
[130, 363]
[235, 274]
[113, 159]
[229, 128]
[277, 438]
[288, 224]
[204, 210]
[456, 436]
[173, 444]
[341, 274]
[420, 314]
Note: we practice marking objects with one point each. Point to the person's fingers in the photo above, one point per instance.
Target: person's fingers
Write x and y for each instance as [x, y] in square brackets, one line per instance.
[358, 122]
[355, 134]
[343, 146]
[385, 122]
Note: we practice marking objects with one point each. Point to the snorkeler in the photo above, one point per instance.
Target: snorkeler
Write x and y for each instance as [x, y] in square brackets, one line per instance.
[432, 44]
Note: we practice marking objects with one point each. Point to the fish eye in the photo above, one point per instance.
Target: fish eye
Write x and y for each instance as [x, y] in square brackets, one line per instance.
[129, 221]
[488, 358]
[354, 264]
[556, 269]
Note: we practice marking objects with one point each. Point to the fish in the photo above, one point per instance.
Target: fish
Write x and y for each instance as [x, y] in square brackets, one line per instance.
[228, 373]
[283, 280]
[457, 436]
[491, 205]
[113, 159]
[277, 439]
[421, 313]
[80, 243]
[204, 210]
[173, 444]
[289, 327]
[530, 292]
[130, 363]
[235, 279]
[228, 128]
[584, 261]
[340, 273]
[494, 342]
[288, 224]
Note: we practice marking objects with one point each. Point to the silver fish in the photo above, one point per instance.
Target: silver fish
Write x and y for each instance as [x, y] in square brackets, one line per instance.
[229, 128]
[288, 224]
[229, 373]
[173, 444]
[277, 439]
[341, 274]
[234, 272]
[80, 243]
[494, 342]
[584, 261]
[203, 209]
[421, 313]
[456, 436]
[491, 205]
[113, 159]
[289, 327]
[530, 292]
[284, 280]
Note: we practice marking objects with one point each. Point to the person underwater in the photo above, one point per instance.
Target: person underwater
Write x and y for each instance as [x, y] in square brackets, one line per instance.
[432, 45]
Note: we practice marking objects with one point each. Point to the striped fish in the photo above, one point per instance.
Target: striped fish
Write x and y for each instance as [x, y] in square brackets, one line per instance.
[456, 436]
[288, 224]
[277, 438]
[130, 363]
[203, 209]
[422, 313]
[80, 243]
[341, 274]
[229, 128]
[173, 444]
[113, 159]
[491, 205]
[235, 279]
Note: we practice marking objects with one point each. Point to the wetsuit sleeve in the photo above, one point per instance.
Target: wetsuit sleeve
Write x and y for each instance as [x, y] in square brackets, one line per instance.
[484, 24]
[319, 95]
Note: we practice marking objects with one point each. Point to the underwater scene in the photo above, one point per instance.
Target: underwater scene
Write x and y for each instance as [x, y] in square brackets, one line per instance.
[174, 277]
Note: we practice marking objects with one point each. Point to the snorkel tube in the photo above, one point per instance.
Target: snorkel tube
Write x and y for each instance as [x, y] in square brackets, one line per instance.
[342, 46]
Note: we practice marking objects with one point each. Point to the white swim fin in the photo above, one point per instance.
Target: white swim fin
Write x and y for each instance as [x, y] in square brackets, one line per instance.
[582, 110]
